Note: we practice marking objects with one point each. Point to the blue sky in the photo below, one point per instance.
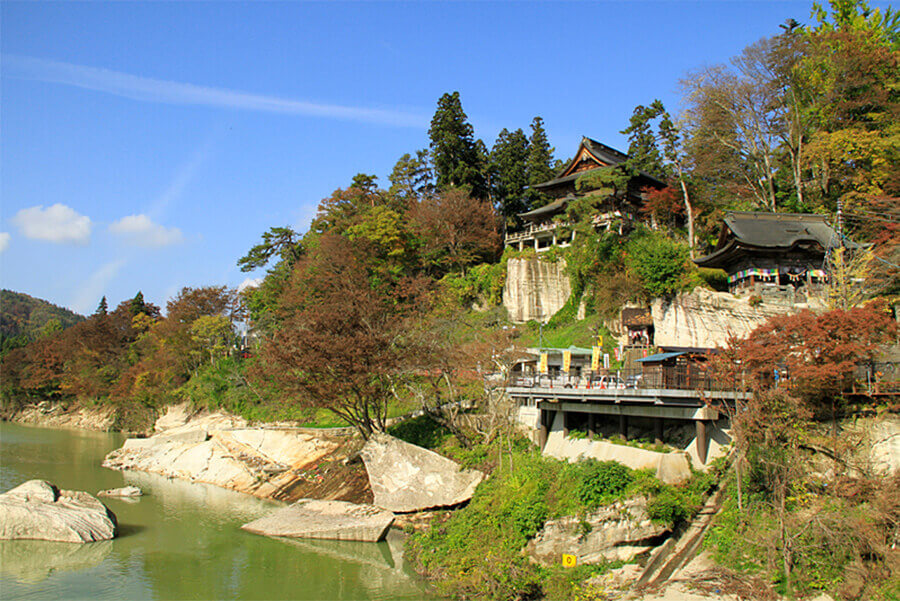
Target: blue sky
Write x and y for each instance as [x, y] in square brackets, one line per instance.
[147, 146]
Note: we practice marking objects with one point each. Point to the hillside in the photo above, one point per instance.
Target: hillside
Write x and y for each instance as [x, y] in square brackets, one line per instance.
[23, 318]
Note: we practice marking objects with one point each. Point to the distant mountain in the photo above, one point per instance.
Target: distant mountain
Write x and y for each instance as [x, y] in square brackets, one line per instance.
[24, 318]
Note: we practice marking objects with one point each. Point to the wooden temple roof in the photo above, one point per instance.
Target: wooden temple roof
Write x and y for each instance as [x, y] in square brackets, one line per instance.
[748, 232]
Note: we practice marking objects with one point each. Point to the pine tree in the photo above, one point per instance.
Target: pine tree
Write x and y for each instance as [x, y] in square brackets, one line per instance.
[454, 150]
[538, 163]
[102, 308]
[509, 173]
[643, 150]
[411, 177]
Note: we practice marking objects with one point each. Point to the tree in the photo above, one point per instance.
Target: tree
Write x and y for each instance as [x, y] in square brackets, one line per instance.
[282, 242]
[538, 163]
[644, 154]
[457, 159]
[412, 177]
[509, 175]
[818, 352]
[343, 344]
[457, 230]
[102, 308]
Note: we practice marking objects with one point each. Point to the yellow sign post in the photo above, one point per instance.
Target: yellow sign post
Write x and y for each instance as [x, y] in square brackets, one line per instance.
[567, 361]
[569, 561]
[542, 364]
[595, 359]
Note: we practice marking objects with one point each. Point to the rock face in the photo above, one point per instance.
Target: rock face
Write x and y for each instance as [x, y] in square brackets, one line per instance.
[535, 289]
[884, 436]
[221, 450]
[50, 415]
[126, 491]
[407, 478]
[705, 318]
[615, 532]
[38, 510]
[336, 520]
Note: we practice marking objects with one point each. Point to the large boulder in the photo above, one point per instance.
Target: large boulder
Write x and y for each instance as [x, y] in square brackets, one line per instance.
[407, 478]
[125, 491]
[617, 532]
[336, 520]
[38, 510]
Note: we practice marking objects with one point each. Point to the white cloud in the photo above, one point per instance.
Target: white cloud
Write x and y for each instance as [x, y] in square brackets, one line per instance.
[4, 241]
[140, 230]
[59, 224]
[249, 283]
[172, 92]
[88, 296]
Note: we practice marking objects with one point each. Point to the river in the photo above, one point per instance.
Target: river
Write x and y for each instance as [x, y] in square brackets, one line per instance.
[180, 541]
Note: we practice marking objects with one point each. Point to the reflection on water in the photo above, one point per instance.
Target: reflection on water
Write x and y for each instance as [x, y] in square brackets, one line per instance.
[31, 561]
[179, 541]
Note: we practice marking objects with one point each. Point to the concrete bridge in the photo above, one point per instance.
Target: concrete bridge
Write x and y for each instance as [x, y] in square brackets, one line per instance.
[589, 407]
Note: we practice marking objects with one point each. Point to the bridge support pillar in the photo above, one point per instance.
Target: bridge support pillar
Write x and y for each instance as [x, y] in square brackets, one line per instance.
[592, 425]
[565, 424]
[702, 440]
[623, 426]
[544, 429]
[659, 423]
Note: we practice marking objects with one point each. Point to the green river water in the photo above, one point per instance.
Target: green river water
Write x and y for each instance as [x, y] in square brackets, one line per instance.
[180, 541]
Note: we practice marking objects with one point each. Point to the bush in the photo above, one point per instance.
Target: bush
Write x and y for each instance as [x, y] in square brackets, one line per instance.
[421, 431]
[602, 482]
[670, 507]
[717, 279]
[661, 263]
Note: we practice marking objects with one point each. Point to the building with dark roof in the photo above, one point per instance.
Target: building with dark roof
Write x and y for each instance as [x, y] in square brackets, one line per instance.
[777, 249]
[542, 226]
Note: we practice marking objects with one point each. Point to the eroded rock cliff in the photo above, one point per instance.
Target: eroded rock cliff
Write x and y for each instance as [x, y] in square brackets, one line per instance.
[535, 289]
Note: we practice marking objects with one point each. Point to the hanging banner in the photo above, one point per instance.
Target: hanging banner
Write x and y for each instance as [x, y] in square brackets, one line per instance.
[542, 364]
[595, 358]
[605, 360]
[567, 361]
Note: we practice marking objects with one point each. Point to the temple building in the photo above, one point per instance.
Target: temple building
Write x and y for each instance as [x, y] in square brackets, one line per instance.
[772, 249]
[543, 226]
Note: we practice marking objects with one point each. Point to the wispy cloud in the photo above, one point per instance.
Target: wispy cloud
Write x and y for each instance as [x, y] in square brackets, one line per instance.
[59, 224]
[147, 89]
[140, 230]
[94, 287]
[4, 241]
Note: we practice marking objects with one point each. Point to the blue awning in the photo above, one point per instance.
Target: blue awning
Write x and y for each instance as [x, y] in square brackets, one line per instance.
[660, 357]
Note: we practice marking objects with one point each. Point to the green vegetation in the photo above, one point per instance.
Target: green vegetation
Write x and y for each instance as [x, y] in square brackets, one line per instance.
[477, 552]
[24, 319]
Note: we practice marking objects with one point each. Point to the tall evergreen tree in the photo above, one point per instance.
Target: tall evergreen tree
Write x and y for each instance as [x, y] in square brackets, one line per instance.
[539, 163]
[509, 173]
[102, 308]
[454, 150]
[643, 149]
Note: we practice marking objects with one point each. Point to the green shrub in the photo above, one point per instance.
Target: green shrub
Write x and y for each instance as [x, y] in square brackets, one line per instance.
[421, 431]
[602, 482]
[717, 279]
[670, 507]
[661, 263]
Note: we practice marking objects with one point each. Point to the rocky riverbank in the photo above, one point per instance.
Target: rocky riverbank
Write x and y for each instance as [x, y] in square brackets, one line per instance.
[57, 415]
[276, 462]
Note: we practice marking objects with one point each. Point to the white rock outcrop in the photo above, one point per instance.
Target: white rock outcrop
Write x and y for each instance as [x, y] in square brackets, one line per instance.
[38, 510]
[535, 289]
[705, 318]
[125, 491]
[407, 478]
[616, 532]
[222, 450]
[335, 520]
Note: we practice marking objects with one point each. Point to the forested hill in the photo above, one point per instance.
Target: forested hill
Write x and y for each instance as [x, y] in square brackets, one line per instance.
[24, 318]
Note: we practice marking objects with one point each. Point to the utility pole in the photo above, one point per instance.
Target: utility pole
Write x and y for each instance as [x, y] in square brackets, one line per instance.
[840, 221]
